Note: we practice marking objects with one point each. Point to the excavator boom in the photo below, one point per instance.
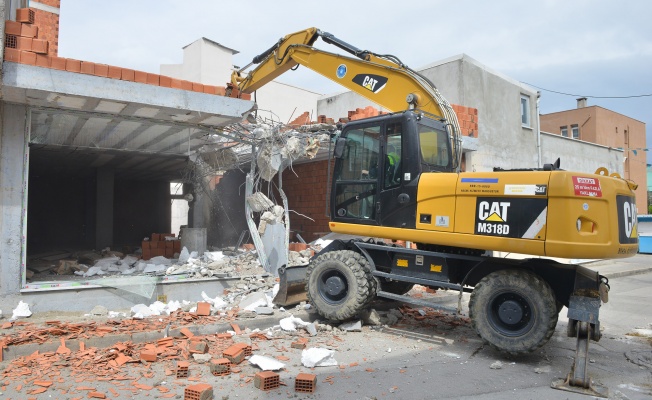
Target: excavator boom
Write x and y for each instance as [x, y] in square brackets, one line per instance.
[383, 79]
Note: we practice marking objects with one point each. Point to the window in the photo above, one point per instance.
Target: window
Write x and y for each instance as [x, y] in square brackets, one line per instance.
[435, 153]
[355, 189]
[564, 131]
[393, 158]
[525, 110]
[576, 131]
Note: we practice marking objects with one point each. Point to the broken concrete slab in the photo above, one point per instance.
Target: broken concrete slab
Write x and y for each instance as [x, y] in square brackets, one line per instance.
[318, 357]
[352, 326]
[253, 300]
[266, 363]
[264, 310]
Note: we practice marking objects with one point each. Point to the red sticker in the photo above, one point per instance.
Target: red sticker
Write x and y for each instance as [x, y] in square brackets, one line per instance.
[587, 186]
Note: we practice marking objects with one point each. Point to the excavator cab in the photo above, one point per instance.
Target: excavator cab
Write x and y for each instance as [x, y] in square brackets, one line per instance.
[378, 162]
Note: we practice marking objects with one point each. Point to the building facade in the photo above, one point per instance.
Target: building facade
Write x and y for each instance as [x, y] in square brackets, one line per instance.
[595, 124]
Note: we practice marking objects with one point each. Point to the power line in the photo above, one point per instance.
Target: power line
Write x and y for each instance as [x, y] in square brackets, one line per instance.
[587, 96]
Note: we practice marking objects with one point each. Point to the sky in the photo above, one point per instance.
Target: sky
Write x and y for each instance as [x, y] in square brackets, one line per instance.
[591, 48]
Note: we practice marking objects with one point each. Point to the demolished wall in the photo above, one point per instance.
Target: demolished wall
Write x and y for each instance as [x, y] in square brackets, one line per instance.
[227, 210]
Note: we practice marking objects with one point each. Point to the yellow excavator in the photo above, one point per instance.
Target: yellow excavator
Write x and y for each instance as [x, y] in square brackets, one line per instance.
[397, 176]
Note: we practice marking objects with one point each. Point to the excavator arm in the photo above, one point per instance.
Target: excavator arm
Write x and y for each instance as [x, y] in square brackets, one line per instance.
[383, 79]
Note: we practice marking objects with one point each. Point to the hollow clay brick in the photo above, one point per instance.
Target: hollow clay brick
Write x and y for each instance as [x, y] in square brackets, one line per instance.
[12, 28]
[87, 67]
[73, 65]
[58, 63]
[101, 70]
[40, 46]
[203, 308]
[27, 57]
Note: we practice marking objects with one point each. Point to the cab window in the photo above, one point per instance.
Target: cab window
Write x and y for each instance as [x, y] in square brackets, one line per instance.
[357, 173]
[435, 152]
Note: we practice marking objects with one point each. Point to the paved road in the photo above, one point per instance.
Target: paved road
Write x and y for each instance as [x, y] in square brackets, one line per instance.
[438, 357]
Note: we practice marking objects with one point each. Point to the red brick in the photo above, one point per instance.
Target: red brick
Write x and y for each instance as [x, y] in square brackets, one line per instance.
[175, 83]
[24, 43]
[267, 380]
[197, 87]
[42, 60]
[96, 395]
[165, 81]
[305, 383]
[182, 369]
[246, 348]
[73, 65]
[186, 85]
[152, 79]
[148, 355]
[115, 72]
[25, 15]
[128, 75]
[203, 308]
[200, 391]
[186, 332]
[87, 67]
[11, 41]
[101, 70]
[40, 46]
[28, 30]
[234, 354]
[210, 89]
[27, 57]
[144, 244]
[140, 76]
[12, 28]
[169, 252]
[199, 347]
[220, 367]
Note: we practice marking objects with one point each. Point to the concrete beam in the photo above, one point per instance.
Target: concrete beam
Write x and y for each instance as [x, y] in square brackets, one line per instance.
[46, 87]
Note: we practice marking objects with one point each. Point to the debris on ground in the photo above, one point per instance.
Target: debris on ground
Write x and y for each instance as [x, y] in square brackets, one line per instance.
[21, 311]
[318, 357]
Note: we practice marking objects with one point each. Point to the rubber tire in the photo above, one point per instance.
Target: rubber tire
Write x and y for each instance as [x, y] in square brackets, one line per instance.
[353, 268]
[396, 287]
[537, 297]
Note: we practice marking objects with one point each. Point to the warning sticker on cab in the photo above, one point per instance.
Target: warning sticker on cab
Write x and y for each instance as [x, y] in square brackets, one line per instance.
[587, 186]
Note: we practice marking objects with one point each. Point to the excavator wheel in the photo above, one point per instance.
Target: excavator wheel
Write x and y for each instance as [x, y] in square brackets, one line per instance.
[340, 284]
[514, 311]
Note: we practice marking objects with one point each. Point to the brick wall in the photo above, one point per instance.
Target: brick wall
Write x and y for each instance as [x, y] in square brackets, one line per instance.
[468, 119]
[306, 193]
[48, 25]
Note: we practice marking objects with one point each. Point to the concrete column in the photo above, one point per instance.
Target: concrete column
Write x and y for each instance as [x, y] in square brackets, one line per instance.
[13, 148]
[199, 212]
[104, 210]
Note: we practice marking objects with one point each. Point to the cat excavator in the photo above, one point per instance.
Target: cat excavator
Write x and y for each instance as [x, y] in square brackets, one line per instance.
[398, 176]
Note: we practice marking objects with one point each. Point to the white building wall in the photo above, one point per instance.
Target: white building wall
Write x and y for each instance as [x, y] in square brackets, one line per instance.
[204, 61]
[593, 156]
[286, 102]
[502, 140]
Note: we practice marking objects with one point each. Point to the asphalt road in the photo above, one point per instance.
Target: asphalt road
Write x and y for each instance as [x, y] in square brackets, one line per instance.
[437, 357]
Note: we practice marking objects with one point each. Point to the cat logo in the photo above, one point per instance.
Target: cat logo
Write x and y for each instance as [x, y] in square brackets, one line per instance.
[627, 216]
[494, 212]
[494, 217]
[373, 83]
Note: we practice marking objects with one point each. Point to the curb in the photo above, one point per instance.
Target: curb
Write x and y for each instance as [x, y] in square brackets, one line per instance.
[629, 272]
[13, 352]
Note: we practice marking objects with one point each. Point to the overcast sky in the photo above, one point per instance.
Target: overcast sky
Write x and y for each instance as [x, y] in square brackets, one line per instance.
[581, 47]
